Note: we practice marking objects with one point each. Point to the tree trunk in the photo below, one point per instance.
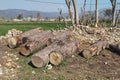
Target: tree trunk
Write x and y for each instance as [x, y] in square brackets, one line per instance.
[76, 12]
[35, 42]
[41, 58]
[60, 36]
[44, 38]
[28, 34]
[117, 18]
[55, 53]
[83, 13]
[114, 4]
[94, 49]
[71, 13]
[58, 55]
[96, 14]
[15, 41]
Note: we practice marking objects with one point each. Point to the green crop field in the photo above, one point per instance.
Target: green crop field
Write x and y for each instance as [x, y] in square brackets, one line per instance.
[25, 26]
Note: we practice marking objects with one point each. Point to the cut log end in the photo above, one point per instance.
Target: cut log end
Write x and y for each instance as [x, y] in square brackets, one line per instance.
[24, 51]
[55, 58]
[37, 61]
[87, 54]
[12, 42]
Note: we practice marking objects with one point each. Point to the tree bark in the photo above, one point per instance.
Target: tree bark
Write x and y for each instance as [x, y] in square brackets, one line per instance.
[41, 58]
[58, 55]
[71, 13]
[83, 12]
[55, 53]
[94, 49]
[114, 4]
[117, 18]
[60, 36]
[96, 14]
[16, 41]
[44, 38]
[35, 42]
[75, 12]
[69, 48]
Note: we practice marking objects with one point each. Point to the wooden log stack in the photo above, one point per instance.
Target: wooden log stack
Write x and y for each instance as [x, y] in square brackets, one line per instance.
[55, 47]
[16, 40]
[35, 42]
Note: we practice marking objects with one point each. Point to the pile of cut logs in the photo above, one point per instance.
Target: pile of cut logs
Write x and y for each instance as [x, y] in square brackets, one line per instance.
[53, 46]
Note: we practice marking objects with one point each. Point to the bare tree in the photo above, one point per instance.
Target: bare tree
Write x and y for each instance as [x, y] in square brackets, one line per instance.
[71, 4]
[39, 16]
[117, 17]
[83, 11]
[62, 17]
[75, 12]
[71, 13]
[96, 14]
[114, 4]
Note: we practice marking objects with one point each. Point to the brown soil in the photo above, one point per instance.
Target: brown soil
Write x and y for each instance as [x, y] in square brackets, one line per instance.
[106, 66]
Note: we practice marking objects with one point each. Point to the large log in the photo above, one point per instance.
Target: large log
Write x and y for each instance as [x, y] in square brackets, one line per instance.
[94, 49]
[69, 48]
[15, 41]
[56, 52]
[32, 32]
[45, 39]
[41, 58]
[58, 55]
[60, 36]
[35, 42]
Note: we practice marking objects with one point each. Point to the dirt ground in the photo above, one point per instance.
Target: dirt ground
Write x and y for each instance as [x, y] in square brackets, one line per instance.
[105, 66]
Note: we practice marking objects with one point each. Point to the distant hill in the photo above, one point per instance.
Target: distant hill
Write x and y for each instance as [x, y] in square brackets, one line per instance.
[12, 13]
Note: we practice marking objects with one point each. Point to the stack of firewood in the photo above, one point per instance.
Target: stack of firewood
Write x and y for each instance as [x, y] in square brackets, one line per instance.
[54, 46]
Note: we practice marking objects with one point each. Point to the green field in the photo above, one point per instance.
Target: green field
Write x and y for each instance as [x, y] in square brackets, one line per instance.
[25, 26]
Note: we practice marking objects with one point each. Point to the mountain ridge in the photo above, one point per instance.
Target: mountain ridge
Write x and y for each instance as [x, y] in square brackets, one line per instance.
[13, 13]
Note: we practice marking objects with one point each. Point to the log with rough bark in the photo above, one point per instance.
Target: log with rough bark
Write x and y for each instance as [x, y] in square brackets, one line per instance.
[15, 41]
[58, 55]
[69, 48]
[94, 49]
[35, 42]
[57, 52]
[41, 58]
[32, 32]
[45, 39]
[60, 36]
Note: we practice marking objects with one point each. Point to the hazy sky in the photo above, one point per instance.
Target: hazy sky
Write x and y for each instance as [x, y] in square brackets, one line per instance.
[48, 7]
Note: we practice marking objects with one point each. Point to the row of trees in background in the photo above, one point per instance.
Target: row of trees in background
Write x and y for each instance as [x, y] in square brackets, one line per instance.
[73, 12]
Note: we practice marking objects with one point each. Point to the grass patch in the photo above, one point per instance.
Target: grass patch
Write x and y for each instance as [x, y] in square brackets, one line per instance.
[25, 26]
